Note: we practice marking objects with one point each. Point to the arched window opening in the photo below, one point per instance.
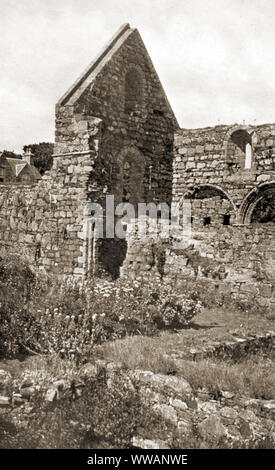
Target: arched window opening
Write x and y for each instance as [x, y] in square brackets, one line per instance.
[209, 206]
[248, 156]
[239, 149]
[126, 191]
[133, 90]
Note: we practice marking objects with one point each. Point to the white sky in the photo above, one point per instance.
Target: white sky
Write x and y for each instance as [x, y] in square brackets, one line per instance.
[215, 58]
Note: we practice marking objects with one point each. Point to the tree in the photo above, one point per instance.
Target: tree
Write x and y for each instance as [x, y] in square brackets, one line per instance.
[9, 154]
[42, 155]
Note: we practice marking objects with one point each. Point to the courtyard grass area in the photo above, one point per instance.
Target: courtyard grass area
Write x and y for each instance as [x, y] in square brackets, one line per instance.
[252, 376]
[208, 326]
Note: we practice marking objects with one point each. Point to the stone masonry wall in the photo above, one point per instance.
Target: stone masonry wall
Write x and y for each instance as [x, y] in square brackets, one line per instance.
[114, 135]
[44, 223]
[233, 260]
[144, 133]
[208, 159]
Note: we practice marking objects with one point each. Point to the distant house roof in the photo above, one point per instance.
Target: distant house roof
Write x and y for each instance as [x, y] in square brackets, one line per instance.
[34, 172]
[17, 165]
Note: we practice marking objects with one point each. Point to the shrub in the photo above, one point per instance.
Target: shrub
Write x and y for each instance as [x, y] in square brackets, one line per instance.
[18, 287]
[39, 315]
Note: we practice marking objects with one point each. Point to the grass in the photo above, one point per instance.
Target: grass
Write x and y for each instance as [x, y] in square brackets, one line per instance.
[253, 376]
[210, 325]
[40, 369]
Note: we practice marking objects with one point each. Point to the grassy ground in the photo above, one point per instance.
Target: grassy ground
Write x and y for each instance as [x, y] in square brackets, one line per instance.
[253, 376]
[210, 325]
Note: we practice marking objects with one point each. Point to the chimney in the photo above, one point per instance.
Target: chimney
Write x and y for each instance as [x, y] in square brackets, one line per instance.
[28, 156]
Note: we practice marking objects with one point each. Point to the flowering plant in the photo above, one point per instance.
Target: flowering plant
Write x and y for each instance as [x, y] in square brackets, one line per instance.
[72, 319]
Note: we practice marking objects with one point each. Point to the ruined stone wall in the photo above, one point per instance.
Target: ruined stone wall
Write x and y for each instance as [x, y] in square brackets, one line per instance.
[233, 260]
[116, 134]
[122, 108]
[208, 163]
[140, 126]
[44, 223]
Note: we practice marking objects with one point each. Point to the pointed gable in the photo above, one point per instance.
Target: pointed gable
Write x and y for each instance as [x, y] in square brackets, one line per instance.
[125, 50]
[118, 108]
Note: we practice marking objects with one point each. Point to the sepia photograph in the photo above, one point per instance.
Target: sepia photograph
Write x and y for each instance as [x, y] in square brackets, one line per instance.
[137, 223]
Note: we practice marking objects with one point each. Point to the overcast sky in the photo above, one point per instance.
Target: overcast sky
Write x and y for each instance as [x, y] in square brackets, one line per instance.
[215, 58]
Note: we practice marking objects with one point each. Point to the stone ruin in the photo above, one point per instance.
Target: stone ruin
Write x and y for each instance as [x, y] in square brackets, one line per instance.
[116, 134]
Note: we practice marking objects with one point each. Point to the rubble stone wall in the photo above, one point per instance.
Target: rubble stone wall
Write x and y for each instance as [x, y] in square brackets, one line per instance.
[44, 223]
[233, 260]
[208, 164]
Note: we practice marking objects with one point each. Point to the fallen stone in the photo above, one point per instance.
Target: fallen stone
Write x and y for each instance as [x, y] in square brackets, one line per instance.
[113, 367]
[269, 405]
[167, 383]
[229, 414]
[27, 392]
[178, 404]
[208, 407]
[89, 371]
[4, 402]
[227, 395]
[141, 443]
[212, 427]
[51, 394]
[167, 412]
[183, 426]
[244, 429]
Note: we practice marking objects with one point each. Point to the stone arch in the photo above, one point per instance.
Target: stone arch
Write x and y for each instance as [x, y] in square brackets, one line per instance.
[216, 206]
[263, 194]
[239, 147]
[134, 83]
[130, 175]
[192, 189]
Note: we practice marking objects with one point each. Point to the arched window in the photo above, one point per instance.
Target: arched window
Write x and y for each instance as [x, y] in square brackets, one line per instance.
[133, 90]
[248, 156]
[239, 149]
